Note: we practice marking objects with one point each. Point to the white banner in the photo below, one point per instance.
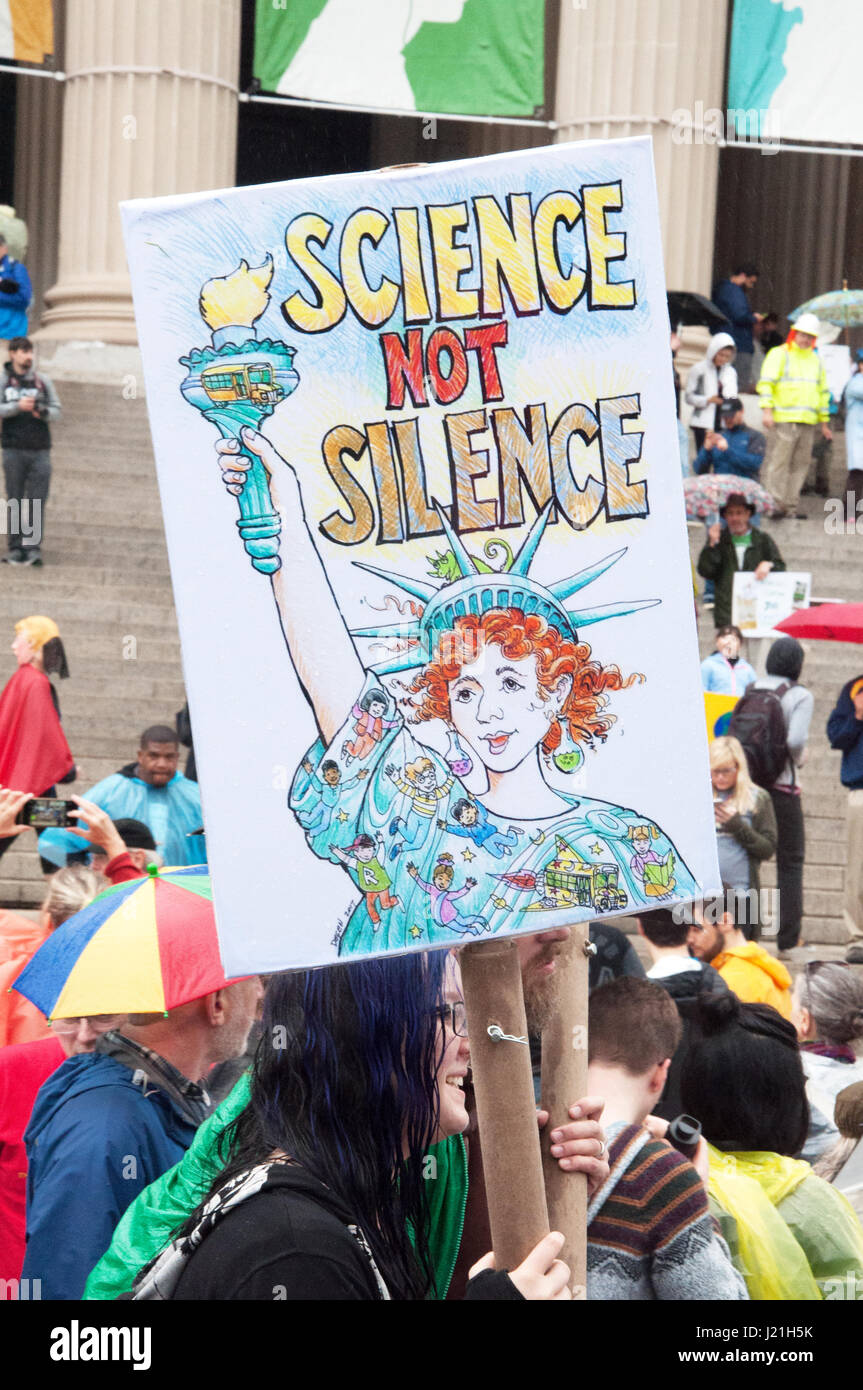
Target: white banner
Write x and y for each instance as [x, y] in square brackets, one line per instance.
[444, 682]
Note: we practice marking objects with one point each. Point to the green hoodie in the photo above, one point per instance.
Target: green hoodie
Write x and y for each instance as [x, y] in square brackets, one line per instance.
[149, 1223]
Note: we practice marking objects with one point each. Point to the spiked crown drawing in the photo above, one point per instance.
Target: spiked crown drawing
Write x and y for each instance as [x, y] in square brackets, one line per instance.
[477, 593]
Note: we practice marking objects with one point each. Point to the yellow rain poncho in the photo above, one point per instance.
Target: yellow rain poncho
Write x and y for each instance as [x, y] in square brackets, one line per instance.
[791, 1235]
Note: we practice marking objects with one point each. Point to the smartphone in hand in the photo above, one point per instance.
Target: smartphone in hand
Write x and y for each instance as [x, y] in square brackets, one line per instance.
[43, 812]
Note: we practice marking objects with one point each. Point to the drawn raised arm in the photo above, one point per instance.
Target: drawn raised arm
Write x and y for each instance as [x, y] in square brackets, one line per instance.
[318, 642]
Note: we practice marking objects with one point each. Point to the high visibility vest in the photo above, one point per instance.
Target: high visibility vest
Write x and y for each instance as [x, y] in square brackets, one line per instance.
[793, 384]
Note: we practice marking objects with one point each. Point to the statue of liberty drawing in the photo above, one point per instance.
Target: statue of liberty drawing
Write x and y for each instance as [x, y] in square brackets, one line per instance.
[449, 847]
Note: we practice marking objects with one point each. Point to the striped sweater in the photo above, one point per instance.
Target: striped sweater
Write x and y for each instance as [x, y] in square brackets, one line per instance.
[650, 1233]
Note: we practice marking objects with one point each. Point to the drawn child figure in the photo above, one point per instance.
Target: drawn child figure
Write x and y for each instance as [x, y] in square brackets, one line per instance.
[654, 871]
[443, 898]
[372, 877]
[330, 786]
[420, 784]
[504, 666]
[472, 822]
[369, 728]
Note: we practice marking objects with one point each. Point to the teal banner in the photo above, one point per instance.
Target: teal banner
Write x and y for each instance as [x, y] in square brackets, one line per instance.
[793, 71]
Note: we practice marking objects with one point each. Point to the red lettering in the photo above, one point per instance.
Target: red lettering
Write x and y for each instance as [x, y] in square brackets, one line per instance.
[449, 387]
[484, 341]
[404, 365]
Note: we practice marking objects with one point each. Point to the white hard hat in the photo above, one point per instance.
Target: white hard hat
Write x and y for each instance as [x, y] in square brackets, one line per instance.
[807, 323]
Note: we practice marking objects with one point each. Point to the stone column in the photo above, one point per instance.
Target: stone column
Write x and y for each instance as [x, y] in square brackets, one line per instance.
[38, 125]
[624, 67]
[150, 108]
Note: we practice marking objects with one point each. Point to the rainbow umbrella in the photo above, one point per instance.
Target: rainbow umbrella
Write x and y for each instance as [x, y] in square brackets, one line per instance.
[141, 947]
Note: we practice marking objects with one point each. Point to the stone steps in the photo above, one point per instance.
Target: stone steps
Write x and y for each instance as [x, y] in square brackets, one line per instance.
[135, 616]
[106, 583]
[85, 579]
[817, 876]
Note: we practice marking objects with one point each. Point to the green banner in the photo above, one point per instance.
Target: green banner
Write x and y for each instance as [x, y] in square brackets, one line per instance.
[459, 57]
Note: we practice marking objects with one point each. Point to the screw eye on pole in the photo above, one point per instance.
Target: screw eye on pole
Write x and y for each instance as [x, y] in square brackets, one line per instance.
[506, 1108]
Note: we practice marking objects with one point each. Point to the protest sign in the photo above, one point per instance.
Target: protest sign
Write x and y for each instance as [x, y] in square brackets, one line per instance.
[435, 610]
[757, 605]
[838, 366]
[717, 712]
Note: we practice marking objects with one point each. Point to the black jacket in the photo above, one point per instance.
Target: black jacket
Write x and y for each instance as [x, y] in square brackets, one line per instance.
[686, 989]
[295, 1240]
[22, 429]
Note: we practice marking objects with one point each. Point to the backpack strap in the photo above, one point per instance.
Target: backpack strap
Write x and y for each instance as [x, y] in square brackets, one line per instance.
[779, 692]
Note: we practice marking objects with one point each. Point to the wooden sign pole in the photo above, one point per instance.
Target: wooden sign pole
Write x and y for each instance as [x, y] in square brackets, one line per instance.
[564, 1080]
[506, 1109]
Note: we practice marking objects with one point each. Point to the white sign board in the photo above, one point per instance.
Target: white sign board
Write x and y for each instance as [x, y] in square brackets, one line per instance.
[437, 625]
[757, 605]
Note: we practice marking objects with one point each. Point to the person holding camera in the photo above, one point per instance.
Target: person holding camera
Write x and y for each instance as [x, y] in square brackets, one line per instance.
[27, 403]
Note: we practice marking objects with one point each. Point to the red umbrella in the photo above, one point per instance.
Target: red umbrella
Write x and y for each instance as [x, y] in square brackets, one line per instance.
[829, 622]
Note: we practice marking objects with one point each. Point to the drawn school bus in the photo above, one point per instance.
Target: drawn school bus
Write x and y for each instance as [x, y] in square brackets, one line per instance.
[570, 881]
[253, 381]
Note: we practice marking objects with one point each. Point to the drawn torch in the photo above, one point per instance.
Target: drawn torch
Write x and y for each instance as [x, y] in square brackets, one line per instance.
[237, 380]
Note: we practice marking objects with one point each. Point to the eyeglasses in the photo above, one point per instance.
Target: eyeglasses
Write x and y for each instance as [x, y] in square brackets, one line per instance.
[453, 1017]
[99, 1023]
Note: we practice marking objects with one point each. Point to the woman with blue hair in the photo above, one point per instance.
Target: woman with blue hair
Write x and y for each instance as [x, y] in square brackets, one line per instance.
[328, 1189]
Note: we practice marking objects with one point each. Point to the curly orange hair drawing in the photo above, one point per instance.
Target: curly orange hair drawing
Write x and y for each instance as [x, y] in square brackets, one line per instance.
[518, 636]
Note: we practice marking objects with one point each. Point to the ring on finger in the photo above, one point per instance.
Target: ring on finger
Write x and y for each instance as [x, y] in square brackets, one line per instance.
[603, 1149]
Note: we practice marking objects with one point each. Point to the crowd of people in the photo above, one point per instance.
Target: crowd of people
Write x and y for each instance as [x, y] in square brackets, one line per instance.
[207, 1152]
[311, 1178]
[313, 1135]
[791, 454]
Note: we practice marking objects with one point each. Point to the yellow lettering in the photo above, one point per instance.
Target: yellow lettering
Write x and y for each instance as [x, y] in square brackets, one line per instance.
[507, 249]
[416, 304]
[562, 290]
[604, 246]
[451, 261]
[331, 305]
[372, 306]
